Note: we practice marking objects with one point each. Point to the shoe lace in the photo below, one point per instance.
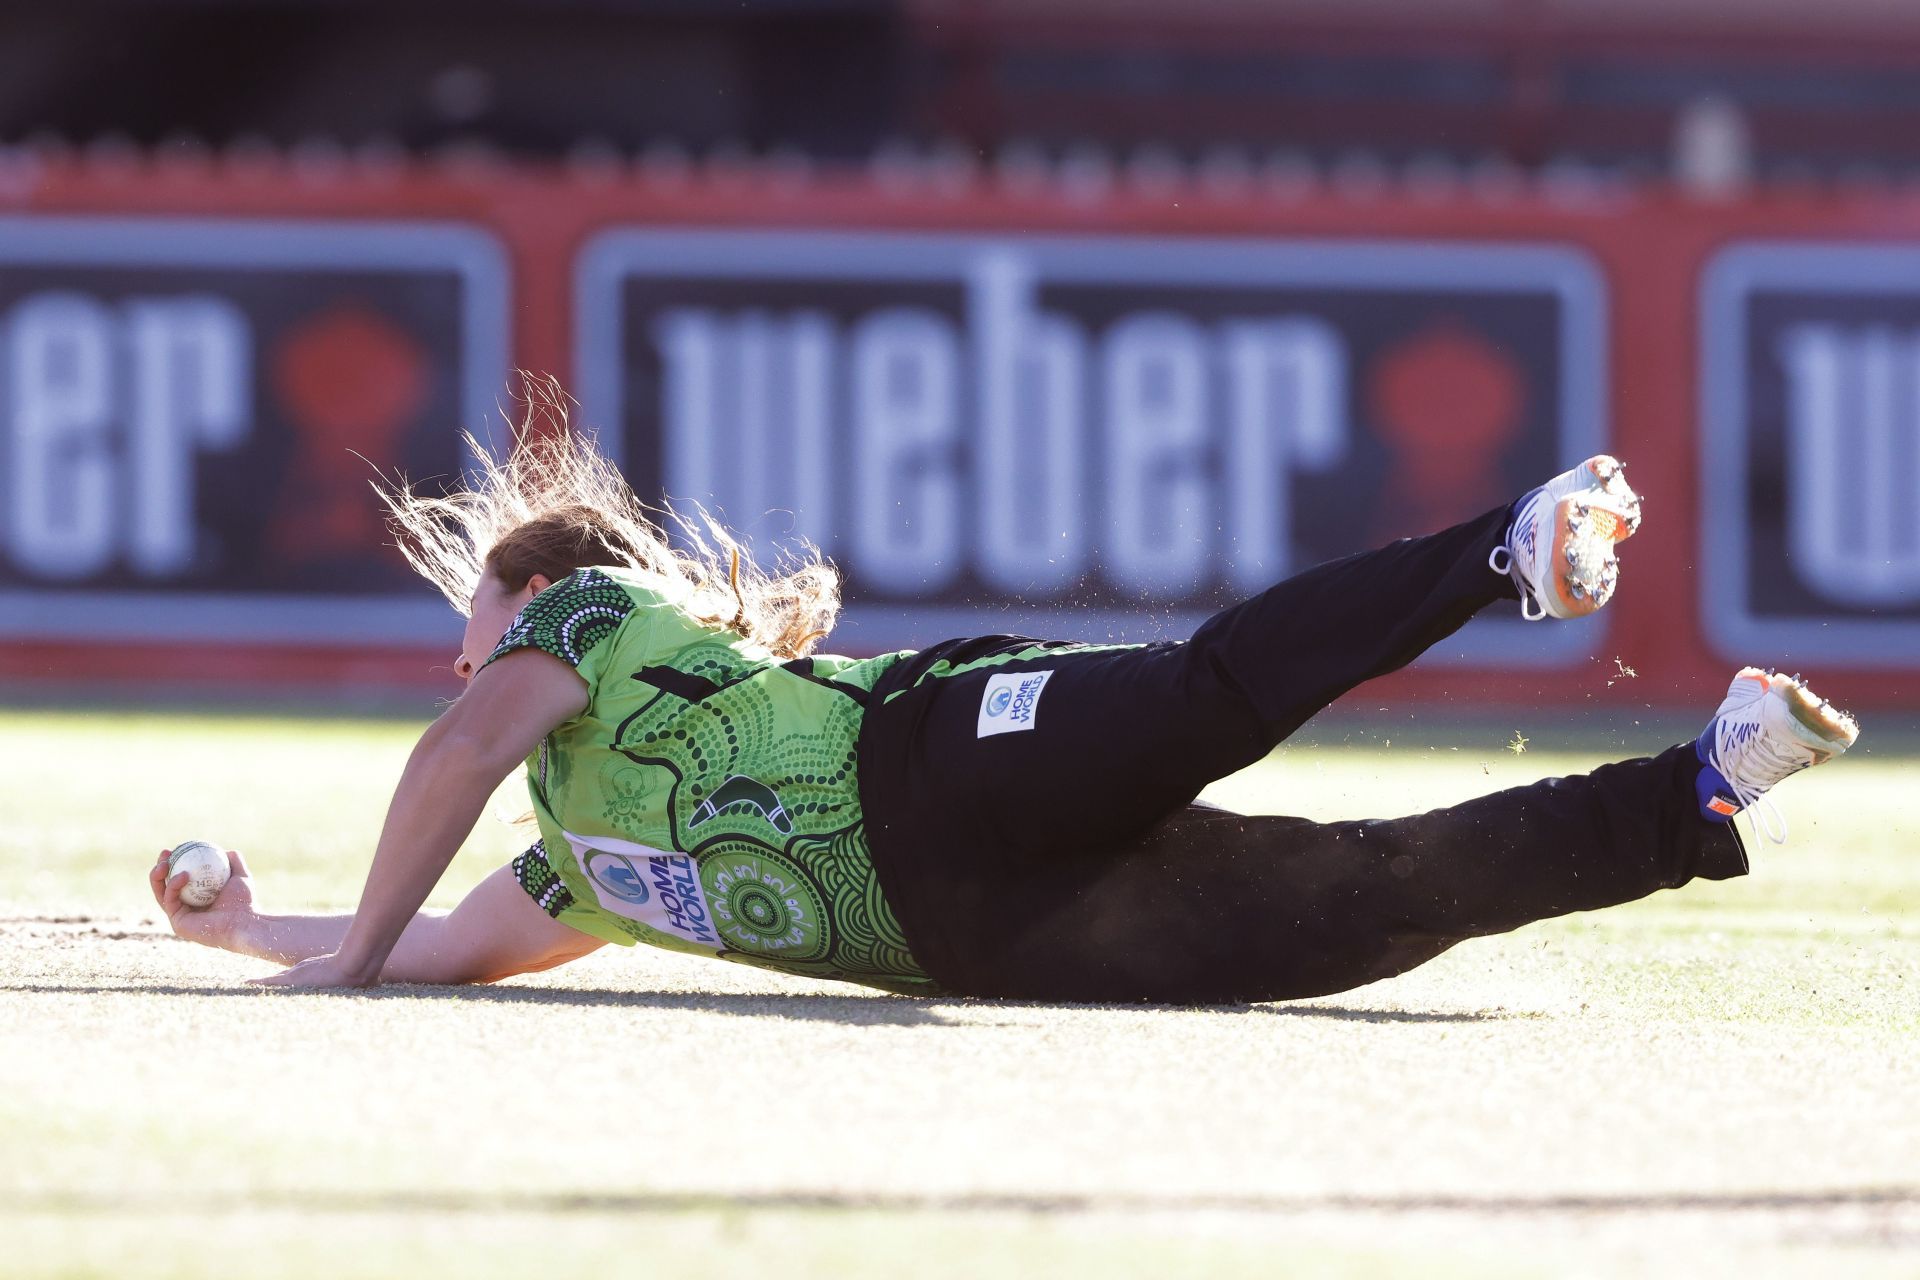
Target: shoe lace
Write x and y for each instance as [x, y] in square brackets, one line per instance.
[1762, 763]
[1510, 569]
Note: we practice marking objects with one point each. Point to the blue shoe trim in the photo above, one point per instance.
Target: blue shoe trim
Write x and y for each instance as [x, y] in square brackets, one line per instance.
[1711, 784]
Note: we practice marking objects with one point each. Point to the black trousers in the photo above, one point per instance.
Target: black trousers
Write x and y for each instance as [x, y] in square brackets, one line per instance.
[1068, 861]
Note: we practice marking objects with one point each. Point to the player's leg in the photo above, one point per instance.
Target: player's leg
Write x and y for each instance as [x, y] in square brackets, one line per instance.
[1116, 739]
[1298, 646]
[1211, 906]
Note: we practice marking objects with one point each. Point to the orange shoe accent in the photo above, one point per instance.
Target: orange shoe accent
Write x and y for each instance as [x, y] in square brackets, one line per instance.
[1578, 607]
[1574, 607]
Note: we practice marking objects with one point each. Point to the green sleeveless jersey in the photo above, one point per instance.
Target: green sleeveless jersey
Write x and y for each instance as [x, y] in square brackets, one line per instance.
[707, 800]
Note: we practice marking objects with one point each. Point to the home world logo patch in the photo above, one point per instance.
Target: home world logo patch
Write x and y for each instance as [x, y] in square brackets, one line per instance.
[1011, 702]
[616, 874]
[660, 891]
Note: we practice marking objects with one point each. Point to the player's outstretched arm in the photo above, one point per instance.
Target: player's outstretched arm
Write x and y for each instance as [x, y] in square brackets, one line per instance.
[507, 709]
[495, 932]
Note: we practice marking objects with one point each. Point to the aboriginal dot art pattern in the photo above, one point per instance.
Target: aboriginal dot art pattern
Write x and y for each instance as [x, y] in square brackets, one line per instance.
[542, 883]
[698, 743]
[569, 618]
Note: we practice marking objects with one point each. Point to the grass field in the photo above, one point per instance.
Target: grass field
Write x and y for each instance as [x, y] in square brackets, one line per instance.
[1718, 1081]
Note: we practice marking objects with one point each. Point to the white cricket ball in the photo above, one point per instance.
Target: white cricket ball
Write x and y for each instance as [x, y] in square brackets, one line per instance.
[206, 869]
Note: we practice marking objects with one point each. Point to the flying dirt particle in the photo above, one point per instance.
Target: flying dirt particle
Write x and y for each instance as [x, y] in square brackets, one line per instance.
[1626, 672]
[1519, 744]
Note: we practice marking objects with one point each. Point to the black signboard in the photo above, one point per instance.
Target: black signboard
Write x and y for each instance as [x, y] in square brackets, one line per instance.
[1090, 437]
[1810, 454]
[190, 412]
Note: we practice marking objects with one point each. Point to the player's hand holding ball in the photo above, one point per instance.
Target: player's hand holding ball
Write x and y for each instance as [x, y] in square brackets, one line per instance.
[207, 894]
[206, 870]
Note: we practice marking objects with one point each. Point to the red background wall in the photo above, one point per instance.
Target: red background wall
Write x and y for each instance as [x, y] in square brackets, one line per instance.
[1650, 245]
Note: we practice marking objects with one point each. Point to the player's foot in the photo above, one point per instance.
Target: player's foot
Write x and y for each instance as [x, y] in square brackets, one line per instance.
[1560, 547]
[1769, 726]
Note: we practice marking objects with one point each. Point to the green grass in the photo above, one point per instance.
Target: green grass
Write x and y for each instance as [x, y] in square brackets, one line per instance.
[696, 1244]
[97, 793]
[1715, 1081]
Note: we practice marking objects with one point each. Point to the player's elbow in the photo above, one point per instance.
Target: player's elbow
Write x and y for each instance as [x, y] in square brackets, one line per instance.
[445, 971]
[479, 976]
[501, 965]
[454, 958]
[436, 953]
[460, 751]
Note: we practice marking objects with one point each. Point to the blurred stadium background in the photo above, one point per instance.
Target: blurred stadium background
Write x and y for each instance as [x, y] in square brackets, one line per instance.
[1054, 316]
[1057, 316]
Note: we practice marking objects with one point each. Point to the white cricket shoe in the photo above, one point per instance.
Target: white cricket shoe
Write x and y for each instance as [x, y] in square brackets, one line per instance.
[1768, 727]
[1560, 546]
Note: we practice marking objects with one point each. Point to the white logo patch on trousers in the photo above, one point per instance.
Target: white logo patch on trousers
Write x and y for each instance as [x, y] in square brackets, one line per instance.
[1011, 702]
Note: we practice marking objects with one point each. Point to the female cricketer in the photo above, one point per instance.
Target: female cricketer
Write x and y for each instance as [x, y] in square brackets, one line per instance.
[995, 816]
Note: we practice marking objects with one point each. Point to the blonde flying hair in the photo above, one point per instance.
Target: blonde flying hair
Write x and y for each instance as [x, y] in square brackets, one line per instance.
[555, 504]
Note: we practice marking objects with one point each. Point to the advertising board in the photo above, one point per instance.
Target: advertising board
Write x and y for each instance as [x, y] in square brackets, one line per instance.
[191, 410]
[1810, 453]
[1090, 437]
